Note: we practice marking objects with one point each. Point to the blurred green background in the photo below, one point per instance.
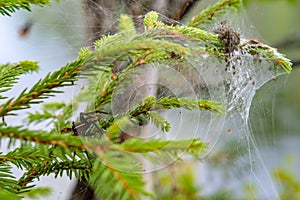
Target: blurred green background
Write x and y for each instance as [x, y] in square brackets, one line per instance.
[275, 111]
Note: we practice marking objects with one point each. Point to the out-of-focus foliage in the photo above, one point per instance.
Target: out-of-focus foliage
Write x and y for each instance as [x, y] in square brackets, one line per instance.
[7, 7]
[178, 181]
[289, 182]
[290, 1]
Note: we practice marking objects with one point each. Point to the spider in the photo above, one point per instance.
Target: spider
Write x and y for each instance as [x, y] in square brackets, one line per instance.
[87, 121]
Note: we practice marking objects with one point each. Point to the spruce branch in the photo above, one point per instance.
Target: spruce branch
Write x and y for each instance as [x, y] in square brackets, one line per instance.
[125, 181]
[38, 117]
[43, 89]
[151, 20]
[132, 46]
[126, 26]
[9, 6]
[57, 113]
[79, 168]
[59, 162]
[106, 47]
[147, 108]
[154, 50]
[213, 45]
[41, 137]
[66, 141]
[10, 74]
[173, 102]
[210, 13]
[193, 146]
[119, 184]
[29, 156]
[196, 34]
[8, 184]
[158, 120]
[263, 51]
[44, 160]
[26, 157]
[104, 41]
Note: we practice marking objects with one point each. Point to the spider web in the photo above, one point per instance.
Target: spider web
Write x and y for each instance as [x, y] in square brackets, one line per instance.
[246, 76]
[205, 77]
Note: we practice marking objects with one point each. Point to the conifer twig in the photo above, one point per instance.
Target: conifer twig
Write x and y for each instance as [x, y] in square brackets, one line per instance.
[210, 12]
[168, 103]
[43, 88]
[79, 168]
[9, 6]
[42, 137]
[10, 73]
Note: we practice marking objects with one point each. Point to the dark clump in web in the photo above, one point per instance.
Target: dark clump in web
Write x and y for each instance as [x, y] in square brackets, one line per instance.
[230, 39]
[228, 36]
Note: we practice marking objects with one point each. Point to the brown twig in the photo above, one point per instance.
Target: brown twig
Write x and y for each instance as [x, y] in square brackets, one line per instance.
[184, 9]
